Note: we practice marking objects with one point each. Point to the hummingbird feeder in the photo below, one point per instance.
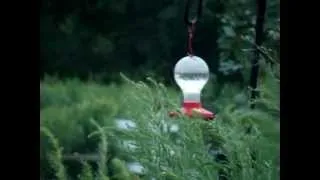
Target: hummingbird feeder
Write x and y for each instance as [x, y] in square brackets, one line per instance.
[191, 73]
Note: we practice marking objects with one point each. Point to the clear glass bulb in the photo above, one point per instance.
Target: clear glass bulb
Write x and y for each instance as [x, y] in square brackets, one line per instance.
[191, 73]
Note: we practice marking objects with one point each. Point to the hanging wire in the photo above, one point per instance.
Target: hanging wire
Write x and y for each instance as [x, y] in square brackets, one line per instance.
[191, 23]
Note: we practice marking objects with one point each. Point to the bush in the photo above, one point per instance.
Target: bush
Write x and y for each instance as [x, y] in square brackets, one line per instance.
[123, 132]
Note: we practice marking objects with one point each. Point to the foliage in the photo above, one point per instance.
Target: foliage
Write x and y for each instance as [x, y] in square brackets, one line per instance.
[145, 38]
[123, 132]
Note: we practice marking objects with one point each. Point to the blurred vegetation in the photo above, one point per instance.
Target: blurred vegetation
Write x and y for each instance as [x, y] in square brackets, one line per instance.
[100, 38]
[93, 131]
[97, 124]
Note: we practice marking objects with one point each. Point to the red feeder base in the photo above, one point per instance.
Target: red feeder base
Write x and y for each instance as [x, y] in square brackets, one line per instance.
[193, 109]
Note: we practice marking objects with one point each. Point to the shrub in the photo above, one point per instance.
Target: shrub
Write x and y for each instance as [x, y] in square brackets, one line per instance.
[124, 132]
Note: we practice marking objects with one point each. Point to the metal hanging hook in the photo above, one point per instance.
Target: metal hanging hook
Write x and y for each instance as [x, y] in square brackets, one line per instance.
[186, 14]
[191, 23]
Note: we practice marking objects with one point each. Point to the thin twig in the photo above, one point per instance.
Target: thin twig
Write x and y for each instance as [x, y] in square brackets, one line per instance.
[81, 157]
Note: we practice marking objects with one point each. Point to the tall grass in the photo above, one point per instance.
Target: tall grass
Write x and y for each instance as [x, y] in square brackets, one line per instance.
[90, 131]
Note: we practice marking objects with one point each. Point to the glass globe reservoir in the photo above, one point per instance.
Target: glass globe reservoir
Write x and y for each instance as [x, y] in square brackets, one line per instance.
[191, 74]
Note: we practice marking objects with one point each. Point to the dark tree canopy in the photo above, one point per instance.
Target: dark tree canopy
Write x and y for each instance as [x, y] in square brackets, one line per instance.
[141, 38]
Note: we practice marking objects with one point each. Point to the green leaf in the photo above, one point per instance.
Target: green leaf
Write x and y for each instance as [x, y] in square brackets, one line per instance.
[228, 30]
